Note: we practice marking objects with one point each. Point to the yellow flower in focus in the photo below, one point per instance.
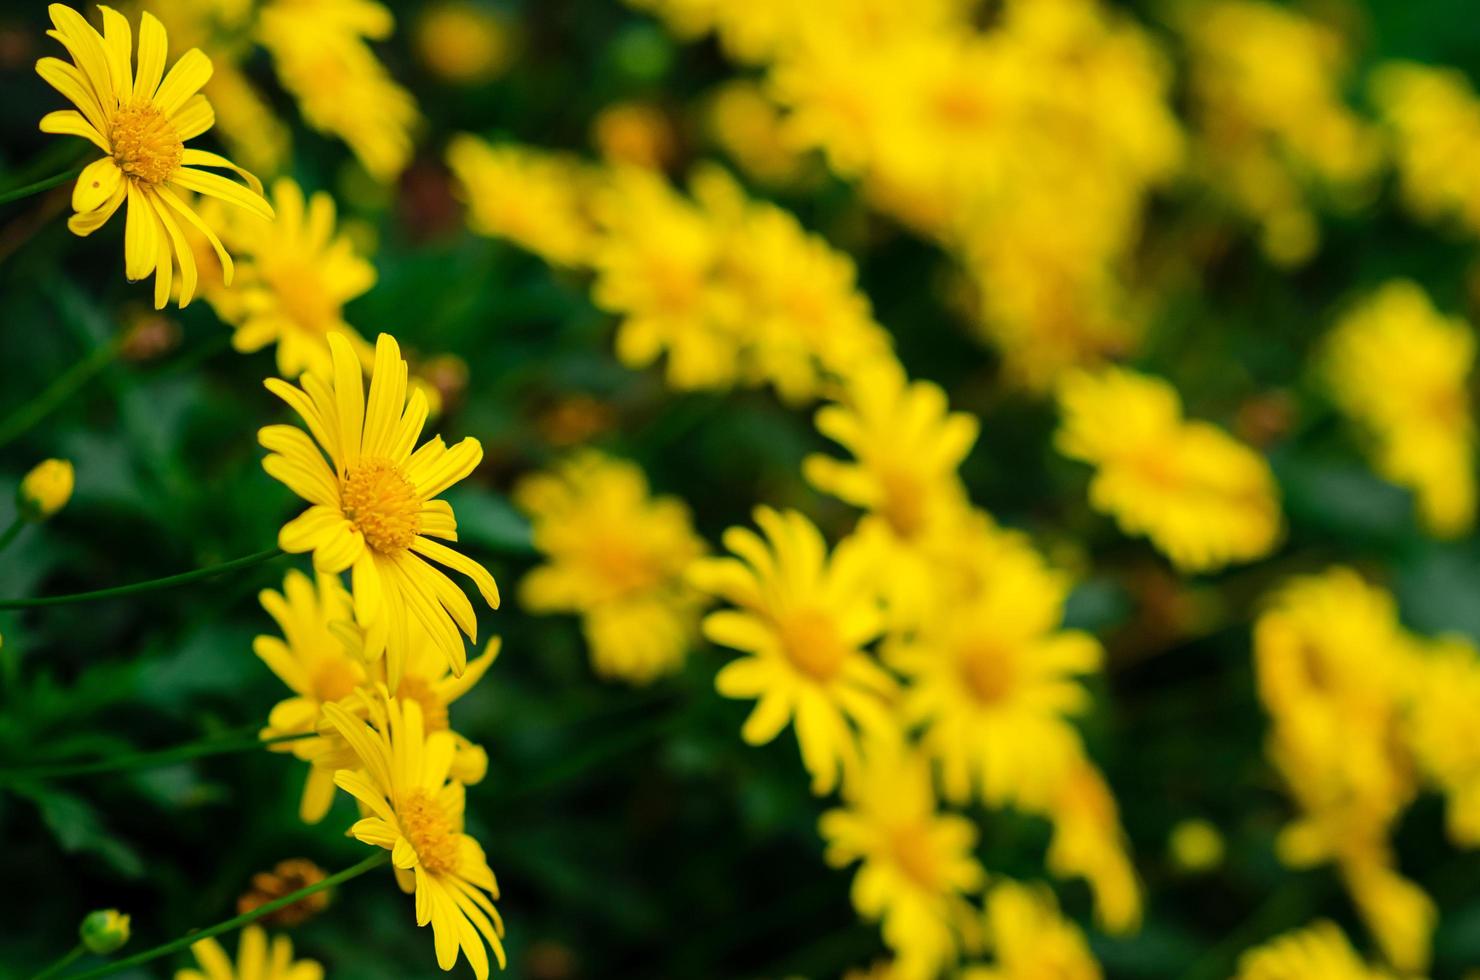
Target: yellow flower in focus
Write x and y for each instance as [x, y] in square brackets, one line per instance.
[313, 658]
[535, 199]
[1030, 939]
[915, 864]
[45, 489]
[1195, 846]
[142, 121]
[374, 511]
[1203, 498]
[803, 620]
[1433, 118]
[638, 134]
[656, 266]
[416, 812]
[617, 557]
[1401, 371]
[463, 42]
[994, 685]
[323, 58]
[1317, 952]
[294, 276]
[255, 960]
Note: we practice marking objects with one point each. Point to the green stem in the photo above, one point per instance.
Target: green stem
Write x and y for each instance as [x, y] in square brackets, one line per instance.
[12, 531]
[20, 421]
[146, 760]
[41, 185]
[168, 582]
[175, 945]
[61, 964]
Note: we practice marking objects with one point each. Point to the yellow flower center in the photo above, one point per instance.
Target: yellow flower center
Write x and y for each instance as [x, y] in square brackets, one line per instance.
[811, 642]
[145, 145]
[301, 295]
[382, 504]
[430, 831]
[433, 710]
[988, 672]
[335, 679]
[910, 847]
[904, 503]
[622, 566]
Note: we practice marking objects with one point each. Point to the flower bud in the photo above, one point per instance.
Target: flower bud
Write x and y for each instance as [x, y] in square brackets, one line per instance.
[1196, 846]
[104, 931]
[45, 490]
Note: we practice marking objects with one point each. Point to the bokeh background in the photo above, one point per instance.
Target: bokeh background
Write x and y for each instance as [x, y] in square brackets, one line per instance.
[633, 833]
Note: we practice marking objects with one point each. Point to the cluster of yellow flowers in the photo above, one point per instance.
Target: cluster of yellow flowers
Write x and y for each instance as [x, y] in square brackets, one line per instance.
[323, 59]
[728, 289]
[1027, 149]
[1271, 128]
[1363, 714]
[1401, 371]
[373, 666]
[1433, 117]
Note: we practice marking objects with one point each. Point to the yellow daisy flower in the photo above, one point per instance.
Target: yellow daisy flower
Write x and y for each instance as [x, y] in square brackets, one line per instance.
[141, 120]
[1317, 952]
[1030, 939]
[374, 511]
[321, 51]
[255, 960]
[1401, 370]
[416, 813]
[995, 684]
[535, 199]
[1203, 498]
[915, 863]
[617, 557]
[803, 621]
[295, 274]
[907, 446]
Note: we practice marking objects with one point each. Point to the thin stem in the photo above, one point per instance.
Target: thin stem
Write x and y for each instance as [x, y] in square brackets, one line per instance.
[20, 421]
[12, 531]
[146, 760]
[67, 960]
[168, 582]
[175, 945]
[41, 185]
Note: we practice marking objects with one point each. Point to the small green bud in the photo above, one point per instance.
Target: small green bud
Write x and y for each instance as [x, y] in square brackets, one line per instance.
[104, 931]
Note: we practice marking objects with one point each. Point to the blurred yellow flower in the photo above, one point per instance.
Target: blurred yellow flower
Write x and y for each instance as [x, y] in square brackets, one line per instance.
[907, 446]
[915, 864]
[374, 511]
[656, 266]
[1432, 115]
[1401, 370]
[323, 58]
[255, 960]
[464, 42]
[1317, 952]
[416, 812]
[294, 275]
[142, 121]
[1029, 939]
[750, 129]
[1443, 728]
[993, 685]
[1332, 664]
[45, 489]
[617, 556]
[1272, 126]
[1203, 498]
[1088, 843]
[535, 199]
[635, 133]
[803, 620]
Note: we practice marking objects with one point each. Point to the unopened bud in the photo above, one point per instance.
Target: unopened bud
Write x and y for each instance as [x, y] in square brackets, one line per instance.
[104, 931]
[45, 490]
